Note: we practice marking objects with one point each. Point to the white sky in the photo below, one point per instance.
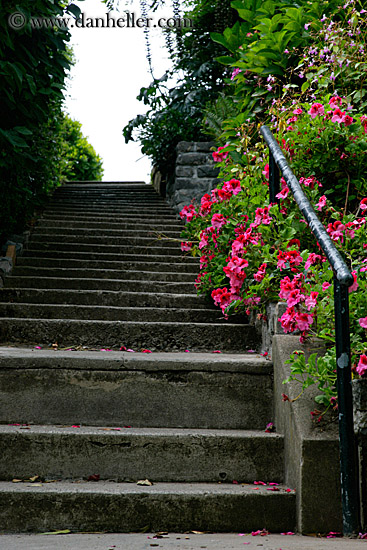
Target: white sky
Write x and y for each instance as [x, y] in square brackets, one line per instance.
[110, 69]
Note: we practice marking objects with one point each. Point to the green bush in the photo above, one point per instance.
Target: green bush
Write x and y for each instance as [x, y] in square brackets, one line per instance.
[78, 159]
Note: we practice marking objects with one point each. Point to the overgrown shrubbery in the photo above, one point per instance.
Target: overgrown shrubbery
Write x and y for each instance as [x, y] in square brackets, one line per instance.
[252, 252]
[177, 100]
[33, 69]
[78, 159]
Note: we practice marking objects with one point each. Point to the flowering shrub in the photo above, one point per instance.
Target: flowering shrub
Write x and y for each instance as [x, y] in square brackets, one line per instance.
[329, 140]
[252, 252]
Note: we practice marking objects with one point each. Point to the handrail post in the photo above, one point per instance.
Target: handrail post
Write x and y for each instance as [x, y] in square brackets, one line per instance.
[348, 458]
[274, 179]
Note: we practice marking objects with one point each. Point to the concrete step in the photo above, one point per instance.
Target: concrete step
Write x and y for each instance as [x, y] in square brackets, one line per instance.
[100, 284]
[124, 238]
[124, 454]
[142, 256]
[158, 336]
[55, 225]
[180, 268]
[103, 217]
[151, 249]
[103, 298]
[111, 210]
[49, 233]
[109, 313]
[142, 390]
[113, 507]
[142, 275]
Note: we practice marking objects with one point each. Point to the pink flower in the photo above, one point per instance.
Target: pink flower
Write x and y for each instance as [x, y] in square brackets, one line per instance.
[298, 111]
[235, 72]
[338, 115]
[313, 259]
[363, 322]
[204, 240]
[336, 230]
[186, 246]
[364, 123]
[347, 120]
[355, 285]
[233, 186]
[325, 286]
[304, 320]
[283, 194]
[311, 301]
[206, 205]
[285, 288]
[322, 202]
[295, 297]
[316, 109]
[266, 171]
[260, 273]
[362, 365]
[218, 156]
[188, 212]
[335, 101]
[218, 220]
[288, 321]
[363, 204]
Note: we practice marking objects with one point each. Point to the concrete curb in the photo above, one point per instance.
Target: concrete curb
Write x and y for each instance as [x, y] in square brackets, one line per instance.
[311, 453]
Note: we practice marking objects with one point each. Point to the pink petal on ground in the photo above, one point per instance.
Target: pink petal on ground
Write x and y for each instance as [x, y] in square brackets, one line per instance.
[216, 351]
[273, 483]
[75, 426]
[37, 347]
[146, 351]
[131, 350]
[251, 351]
[288, 533]
[259, 483]
[187, 351]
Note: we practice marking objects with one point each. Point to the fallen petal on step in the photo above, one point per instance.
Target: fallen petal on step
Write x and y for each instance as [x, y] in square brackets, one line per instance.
[262, 533]
[272, 483]
[37, 347]
[75, 426]
[216, 351]
[131, 350]
[288, 533]
[146, 351]
[94, 477]
[259, 483]
[251, 351]
[273, 489]
[187, 351]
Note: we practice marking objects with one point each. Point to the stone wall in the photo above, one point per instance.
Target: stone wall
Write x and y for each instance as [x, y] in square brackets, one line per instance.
[195, 174]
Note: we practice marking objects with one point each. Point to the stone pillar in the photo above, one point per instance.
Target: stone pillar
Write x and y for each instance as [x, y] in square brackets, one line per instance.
[195, 174]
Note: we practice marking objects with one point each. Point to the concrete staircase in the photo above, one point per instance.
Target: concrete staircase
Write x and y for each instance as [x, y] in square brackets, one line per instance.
[92, 422]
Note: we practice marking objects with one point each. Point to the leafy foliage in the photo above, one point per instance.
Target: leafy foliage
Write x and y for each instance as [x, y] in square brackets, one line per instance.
[176, 108]
[252, 252]
[33, 68]
[79, 160]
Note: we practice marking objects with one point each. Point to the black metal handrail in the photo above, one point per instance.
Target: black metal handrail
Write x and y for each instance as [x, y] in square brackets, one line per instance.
[342, 280]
